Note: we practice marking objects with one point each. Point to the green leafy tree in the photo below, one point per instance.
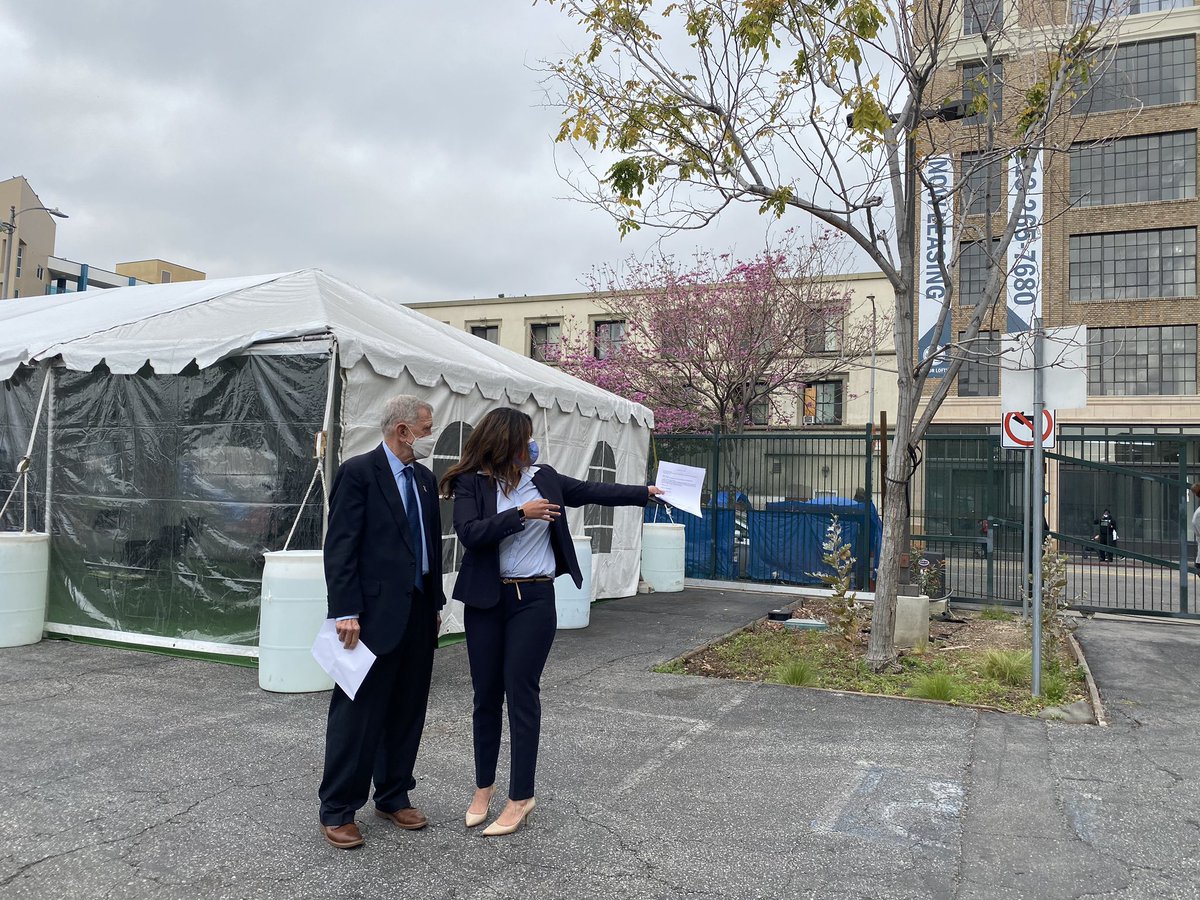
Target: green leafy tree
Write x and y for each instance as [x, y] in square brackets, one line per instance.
[828, 109]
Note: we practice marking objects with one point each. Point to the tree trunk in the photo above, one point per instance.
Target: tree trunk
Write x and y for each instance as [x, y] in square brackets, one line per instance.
[881, 650]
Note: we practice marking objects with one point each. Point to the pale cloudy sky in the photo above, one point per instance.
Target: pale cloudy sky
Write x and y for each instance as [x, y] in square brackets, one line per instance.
[402, 146]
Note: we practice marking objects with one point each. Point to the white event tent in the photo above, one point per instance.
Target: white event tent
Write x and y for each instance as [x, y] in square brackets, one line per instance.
[177, 430]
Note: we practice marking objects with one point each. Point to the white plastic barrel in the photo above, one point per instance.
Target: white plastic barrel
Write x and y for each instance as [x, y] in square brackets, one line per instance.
[574, 604]
[663, 556]
[24, 560]
[294, 606]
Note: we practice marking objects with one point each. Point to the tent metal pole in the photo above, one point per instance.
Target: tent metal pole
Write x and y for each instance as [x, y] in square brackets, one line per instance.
[330, 451]
[49, 442]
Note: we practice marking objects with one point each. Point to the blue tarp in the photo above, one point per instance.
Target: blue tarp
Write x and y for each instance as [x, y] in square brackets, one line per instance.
[786, 538]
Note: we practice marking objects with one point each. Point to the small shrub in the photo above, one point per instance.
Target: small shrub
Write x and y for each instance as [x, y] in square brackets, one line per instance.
[1054, 688]
[847, 611]
[996, 614]
[935, 687]
[1011, 667]
[798, 672]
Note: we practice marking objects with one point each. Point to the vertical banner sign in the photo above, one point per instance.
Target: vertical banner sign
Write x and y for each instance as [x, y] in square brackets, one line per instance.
[1025, 249]
[935, 248]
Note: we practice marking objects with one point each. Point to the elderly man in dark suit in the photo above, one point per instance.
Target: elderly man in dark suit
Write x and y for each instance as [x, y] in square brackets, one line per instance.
[383, 569]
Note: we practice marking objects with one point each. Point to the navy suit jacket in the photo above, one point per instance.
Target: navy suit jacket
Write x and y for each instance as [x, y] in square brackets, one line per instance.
[481, 528]
[370, 563]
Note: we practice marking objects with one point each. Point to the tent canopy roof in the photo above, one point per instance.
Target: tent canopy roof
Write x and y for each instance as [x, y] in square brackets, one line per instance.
[170, 325]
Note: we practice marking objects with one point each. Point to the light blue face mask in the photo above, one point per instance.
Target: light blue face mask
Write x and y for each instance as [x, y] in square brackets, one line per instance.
[533, 452]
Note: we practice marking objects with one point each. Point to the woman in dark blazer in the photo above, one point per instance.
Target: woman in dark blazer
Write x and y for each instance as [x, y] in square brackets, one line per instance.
[508, 512]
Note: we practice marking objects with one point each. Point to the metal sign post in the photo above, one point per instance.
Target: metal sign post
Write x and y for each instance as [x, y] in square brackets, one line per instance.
[1035, 492]
[1027, 493]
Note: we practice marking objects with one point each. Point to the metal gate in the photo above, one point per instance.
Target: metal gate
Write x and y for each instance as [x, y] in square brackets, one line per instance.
[969, 502]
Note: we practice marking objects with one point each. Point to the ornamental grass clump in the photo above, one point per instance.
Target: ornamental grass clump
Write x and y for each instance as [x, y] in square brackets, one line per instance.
[1011, 667]
[936, 686]
[798, 672]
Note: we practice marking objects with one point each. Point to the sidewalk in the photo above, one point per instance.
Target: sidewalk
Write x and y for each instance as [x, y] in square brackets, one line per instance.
[133, 775]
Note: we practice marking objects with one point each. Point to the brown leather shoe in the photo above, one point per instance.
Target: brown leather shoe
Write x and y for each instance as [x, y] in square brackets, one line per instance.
[410, 818]
[344, 837]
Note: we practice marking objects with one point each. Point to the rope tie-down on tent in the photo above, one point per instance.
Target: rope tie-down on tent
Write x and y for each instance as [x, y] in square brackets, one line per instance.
[180, 430]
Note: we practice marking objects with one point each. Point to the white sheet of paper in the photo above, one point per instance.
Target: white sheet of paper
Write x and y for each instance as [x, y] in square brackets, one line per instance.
[347, 667]
[681, 486]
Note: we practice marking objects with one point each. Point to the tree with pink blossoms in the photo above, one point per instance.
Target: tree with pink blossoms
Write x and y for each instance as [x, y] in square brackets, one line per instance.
[717, 341]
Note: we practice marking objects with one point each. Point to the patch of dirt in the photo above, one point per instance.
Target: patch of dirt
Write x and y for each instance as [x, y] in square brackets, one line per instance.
[957, 649]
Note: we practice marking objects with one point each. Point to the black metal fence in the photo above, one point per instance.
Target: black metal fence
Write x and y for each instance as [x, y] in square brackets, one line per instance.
[771, 497]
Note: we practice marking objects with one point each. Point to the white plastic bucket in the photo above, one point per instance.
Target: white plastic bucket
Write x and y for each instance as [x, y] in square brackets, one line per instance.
[574, 604]
[294, 606]
[663, 556]
[24, 561]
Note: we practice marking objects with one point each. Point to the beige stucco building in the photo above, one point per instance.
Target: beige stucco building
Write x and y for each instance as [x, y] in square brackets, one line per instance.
[35, 268]
[24, 252]
[158, 271]
[530, 324]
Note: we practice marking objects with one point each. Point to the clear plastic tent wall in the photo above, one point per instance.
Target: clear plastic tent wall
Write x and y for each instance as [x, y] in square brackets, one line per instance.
[167, 488]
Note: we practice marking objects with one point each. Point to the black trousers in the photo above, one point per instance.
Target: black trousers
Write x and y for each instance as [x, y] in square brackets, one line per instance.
[377, 734]
[507, 646]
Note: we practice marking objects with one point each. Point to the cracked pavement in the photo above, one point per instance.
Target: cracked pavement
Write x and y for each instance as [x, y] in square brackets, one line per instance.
[135, 775]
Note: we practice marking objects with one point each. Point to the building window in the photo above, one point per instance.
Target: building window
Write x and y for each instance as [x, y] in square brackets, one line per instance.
[1133, 265]
[760, 407]
[983, 183]
[608, 337]
[1139, 169]
[981, 81]
[980, 372]
[1138, 361]
[446, 452]
[823, 403]
[20, 258]
[982, 16]
[598, 520]
[164, 277]
[974, 268]
[490, 333]
[1148, 73]
[545, 341]
[1102, 10]
[823, 333]
[41, 273]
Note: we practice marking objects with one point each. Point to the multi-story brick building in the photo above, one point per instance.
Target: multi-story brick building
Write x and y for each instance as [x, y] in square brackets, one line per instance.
[1118, 242]
[1121, 211]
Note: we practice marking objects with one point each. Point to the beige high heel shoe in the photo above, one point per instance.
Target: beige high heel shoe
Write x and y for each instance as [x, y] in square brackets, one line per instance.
[496, 829]
[473, 819]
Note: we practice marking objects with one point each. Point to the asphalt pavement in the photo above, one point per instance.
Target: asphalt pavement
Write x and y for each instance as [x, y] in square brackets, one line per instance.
[128, 774]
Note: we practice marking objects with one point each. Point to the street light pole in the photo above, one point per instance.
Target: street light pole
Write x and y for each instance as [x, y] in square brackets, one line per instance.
[874, 344]
[10, 228]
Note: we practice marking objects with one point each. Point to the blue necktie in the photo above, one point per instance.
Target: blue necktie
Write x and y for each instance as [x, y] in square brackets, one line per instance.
[413, 512]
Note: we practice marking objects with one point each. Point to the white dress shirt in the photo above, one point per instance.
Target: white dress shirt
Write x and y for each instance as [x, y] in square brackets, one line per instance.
[526, 554]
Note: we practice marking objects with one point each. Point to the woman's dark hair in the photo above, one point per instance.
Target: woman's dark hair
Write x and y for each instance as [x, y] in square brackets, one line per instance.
[496, 448]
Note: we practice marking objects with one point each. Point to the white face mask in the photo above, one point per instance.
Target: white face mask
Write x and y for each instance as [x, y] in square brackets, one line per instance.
[423, 447]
